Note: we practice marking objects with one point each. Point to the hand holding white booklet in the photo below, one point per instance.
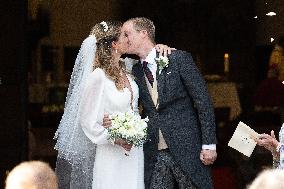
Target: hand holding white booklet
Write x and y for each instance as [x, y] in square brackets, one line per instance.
[242, 139]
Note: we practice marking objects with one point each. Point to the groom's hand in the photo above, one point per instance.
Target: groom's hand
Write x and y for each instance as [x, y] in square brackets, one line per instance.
[208, 156]
[106, 121]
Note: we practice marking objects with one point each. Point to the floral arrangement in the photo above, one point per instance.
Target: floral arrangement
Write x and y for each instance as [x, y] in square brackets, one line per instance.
[162, 62]
[130, 127]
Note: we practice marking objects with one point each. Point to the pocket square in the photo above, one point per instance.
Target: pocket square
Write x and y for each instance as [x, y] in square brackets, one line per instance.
[169, 73]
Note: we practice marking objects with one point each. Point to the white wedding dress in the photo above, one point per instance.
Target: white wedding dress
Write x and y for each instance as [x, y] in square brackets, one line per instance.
[112, 168]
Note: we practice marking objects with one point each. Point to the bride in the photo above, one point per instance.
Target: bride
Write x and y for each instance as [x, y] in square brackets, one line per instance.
[100, 84]
[109, 89]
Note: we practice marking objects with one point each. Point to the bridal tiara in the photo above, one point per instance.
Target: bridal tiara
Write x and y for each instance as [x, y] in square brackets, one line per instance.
[105, 30]
[104, 24]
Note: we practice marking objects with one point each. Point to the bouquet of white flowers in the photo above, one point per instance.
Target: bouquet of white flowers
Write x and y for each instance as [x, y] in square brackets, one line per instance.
[130, 127]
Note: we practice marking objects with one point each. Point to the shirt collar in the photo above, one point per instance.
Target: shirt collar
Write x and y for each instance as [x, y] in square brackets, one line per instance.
[150, 58]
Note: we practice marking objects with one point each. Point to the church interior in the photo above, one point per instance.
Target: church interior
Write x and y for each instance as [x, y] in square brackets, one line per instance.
[230, 41]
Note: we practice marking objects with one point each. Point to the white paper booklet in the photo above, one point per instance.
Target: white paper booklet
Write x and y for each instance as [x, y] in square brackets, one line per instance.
[242, 139]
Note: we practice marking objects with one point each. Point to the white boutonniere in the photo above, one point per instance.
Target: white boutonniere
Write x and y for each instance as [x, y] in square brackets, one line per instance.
[162, 62]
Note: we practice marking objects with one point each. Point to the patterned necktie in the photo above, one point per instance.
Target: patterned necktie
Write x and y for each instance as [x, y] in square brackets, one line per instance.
[148, 73]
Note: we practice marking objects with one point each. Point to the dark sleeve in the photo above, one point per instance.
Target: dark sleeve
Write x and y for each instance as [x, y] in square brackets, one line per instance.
[197, 89]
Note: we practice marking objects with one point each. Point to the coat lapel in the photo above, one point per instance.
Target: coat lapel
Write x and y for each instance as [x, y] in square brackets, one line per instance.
[160, 81]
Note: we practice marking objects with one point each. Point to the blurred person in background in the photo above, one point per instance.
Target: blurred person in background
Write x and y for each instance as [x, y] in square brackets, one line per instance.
[270, 92]
[277, 57]
[270, 143]
[268, 179]
[32, 175]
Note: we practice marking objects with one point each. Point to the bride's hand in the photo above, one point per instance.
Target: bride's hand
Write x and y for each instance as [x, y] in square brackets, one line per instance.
[123, 144]
[106, 121]
[164, 50]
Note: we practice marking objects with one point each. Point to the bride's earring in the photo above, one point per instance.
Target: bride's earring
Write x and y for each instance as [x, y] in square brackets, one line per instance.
[116, 51]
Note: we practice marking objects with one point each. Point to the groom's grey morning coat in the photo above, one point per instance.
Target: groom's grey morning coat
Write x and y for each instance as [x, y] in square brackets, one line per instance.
[185, 116]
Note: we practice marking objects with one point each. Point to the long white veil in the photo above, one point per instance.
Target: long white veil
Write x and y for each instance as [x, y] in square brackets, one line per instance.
[74, 166]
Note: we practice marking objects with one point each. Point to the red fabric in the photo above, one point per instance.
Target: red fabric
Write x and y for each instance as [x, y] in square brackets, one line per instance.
[148, 73]
[270, 93]
[224, 178]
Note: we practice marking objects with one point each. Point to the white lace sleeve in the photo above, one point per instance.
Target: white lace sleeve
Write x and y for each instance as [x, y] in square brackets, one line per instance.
[281, 134]
[92, 108]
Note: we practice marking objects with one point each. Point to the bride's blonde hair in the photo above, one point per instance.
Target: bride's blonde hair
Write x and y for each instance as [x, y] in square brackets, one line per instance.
[106, 33]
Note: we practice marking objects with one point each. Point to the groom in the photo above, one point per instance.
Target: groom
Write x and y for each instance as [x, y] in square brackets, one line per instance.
[181, 127]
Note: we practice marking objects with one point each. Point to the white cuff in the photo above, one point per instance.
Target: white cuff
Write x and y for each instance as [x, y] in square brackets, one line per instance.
[209, 146]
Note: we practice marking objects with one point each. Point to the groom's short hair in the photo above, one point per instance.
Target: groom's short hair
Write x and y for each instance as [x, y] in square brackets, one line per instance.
[142, 23]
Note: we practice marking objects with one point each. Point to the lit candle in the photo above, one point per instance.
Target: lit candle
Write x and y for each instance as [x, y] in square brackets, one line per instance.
[226, 63]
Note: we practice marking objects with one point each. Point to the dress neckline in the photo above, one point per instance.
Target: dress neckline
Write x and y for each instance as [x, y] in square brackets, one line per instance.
[128, 86]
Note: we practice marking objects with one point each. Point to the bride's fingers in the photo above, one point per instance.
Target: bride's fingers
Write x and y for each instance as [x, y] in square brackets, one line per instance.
[106, 115]
[106, 121]
[163, 50]
[127, 147]
[107, 124]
